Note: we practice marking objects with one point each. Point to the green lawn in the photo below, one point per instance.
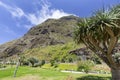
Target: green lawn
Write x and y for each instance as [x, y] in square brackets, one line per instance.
[28, 73]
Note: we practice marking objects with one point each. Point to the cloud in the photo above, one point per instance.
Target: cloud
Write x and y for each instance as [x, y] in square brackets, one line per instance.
[15, 11]
[38, 16]
[45, 13]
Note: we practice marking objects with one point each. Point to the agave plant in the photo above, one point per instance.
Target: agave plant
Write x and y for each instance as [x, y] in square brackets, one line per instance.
[101, 33]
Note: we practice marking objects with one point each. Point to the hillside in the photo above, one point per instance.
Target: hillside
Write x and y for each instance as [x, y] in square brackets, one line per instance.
[51, 32]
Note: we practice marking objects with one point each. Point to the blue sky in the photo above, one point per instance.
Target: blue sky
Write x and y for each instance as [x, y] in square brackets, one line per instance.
[18, 16]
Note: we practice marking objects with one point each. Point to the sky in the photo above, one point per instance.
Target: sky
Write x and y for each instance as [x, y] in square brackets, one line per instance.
[18, 16]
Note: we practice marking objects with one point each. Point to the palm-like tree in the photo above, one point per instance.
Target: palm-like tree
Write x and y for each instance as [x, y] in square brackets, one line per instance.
[101, 33]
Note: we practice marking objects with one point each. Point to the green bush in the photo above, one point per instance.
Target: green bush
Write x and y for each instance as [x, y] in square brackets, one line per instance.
[42, 62]
[85, 65]
[54, 63]
[25, 63]
[96, 59]
[37, 64]
[2, 66]
[116, 57]
[33, 61]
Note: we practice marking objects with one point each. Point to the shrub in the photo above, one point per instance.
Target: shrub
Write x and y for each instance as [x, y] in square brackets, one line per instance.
[2, 66]
[32, 61]
[54, 63]
[37, 64]
[42, 62]
[96, 59]
[116, 57]
[85, 65]
[26, 63]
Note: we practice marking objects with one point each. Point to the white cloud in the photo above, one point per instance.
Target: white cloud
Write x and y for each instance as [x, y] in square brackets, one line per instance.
[15, 11]
[45, 13]
[39, 16]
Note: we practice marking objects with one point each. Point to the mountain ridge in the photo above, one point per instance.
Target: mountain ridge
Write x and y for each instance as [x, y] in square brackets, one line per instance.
[50, 32]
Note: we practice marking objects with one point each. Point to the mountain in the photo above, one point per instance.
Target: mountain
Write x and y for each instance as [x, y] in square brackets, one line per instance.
[50, 32]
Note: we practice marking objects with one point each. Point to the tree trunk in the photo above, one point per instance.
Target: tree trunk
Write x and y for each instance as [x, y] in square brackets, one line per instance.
[115, 74]
[16, 69]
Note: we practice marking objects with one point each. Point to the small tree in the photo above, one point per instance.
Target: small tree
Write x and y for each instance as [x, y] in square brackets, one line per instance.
[101, 34]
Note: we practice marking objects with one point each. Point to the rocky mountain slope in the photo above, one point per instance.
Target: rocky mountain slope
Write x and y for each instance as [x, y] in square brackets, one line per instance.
[51, 32]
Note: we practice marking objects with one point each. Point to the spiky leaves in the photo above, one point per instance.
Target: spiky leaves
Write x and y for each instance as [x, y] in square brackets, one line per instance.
[100, 33]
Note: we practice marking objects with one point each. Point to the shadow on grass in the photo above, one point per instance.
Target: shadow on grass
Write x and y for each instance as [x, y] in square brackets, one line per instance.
[93, 78]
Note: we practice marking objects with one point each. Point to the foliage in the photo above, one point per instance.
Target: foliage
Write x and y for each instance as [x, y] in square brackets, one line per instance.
[58, 53]
[116, 57]
[54, 63]
[33, 60]
[85, 65]
[25, 63]
[38, 64]
[100, 33]
[2, 65]
[96, 59]
[42, 62]
[22, 60]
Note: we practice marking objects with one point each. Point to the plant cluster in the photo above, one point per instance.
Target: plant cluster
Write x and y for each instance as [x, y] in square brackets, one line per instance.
[85, 66]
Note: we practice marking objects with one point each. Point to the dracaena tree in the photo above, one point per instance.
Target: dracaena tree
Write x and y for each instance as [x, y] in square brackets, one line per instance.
[101, 33]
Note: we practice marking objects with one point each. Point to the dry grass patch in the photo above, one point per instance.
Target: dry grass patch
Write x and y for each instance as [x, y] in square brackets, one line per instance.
[103, 68]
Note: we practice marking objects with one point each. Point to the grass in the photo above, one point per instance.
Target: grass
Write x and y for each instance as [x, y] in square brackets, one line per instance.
[28, 73]
[62, 66]
[67, 66]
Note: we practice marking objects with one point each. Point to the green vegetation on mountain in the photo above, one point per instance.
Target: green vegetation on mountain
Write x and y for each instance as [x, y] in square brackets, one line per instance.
[59, 53]
[50, 32]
